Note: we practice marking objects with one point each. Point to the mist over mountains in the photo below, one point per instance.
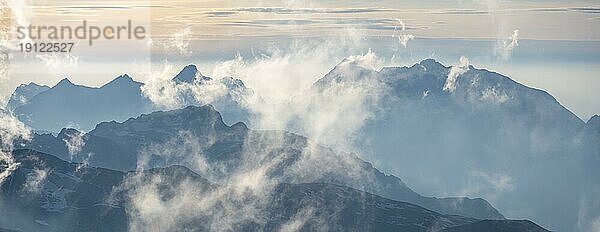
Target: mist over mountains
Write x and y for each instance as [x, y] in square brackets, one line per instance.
[70, 105]
[199, 135]
[76, 106]
[488, 135]
[98, 199]
[445, 131]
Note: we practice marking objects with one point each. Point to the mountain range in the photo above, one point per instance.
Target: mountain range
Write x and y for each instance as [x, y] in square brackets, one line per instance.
[447, 131]
[96, 199]
[76, 106]
[487, 135]
[80, 106]
[198, 134]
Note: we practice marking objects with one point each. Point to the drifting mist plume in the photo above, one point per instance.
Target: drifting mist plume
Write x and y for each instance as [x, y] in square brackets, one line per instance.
[329, 111]
[158, 86]
[456, 71]
[291, 104]
[294, 105]
[296, 223]
[367, 61]
[150, 210]
[481, 182]
[227, 94]
[170, 95]
[244, 180]
[75, 142]
[403, 38]
[294, 69]
[330, 115]
[185, 149]
[35, 180]
[13, 13]
[58, 62]
[505, 48]
[180, 41]
[4, 69]
[10, 129]
[239, 198]
[18, 13]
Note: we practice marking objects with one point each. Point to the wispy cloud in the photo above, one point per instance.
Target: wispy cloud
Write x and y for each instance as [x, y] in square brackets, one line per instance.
[75, 143]
[403, 37]
[35, 180]
[244, 187]
[455, 72]
[177, 42]
[587, 10]
[274, 22]
[504, 48]
[11, 129]
[461, 12]
[220, 13]
[58, 62]
[283, 10]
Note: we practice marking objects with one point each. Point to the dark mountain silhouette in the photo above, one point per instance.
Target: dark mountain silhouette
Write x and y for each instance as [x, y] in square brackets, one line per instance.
[123, 146]
[497, 226]
[189, 74]
[70, 105]
[96, 200]
[24, 93]
[231, 103]
[488, 136]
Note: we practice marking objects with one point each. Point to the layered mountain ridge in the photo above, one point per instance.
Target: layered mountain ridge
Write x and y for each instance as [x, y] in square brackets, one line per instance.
[487, 136]
[122, 146]
[97, 199]
[69, 105]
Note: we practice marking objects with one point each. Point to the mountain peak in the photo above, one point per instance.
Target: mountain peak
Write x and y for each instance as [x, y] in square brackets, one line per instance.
[121, 80]
[30, 85]
[233, 83]
[63, 83]
[351, 69]
[431, 64]
[202, 119]
[594, 121]
[68, 132]
[124, 77]
[187, 74]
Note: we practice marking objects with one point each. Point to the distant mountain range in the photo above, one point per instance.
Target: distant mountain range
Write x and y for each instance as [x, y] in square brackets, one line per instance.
[24, 93]
[70, 105]
[487, 136]
[478, 134]
[72, 197]
[76, 106]
[198, 133]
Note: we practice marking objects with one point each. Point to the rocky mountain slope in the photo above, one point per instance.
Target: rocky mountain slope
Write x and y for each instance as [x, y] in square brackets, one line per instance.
[46, 193]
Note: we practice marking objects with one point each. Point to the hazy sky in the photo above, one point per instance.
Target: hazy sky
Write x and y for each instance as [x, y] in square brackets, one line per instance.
[556, 47]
